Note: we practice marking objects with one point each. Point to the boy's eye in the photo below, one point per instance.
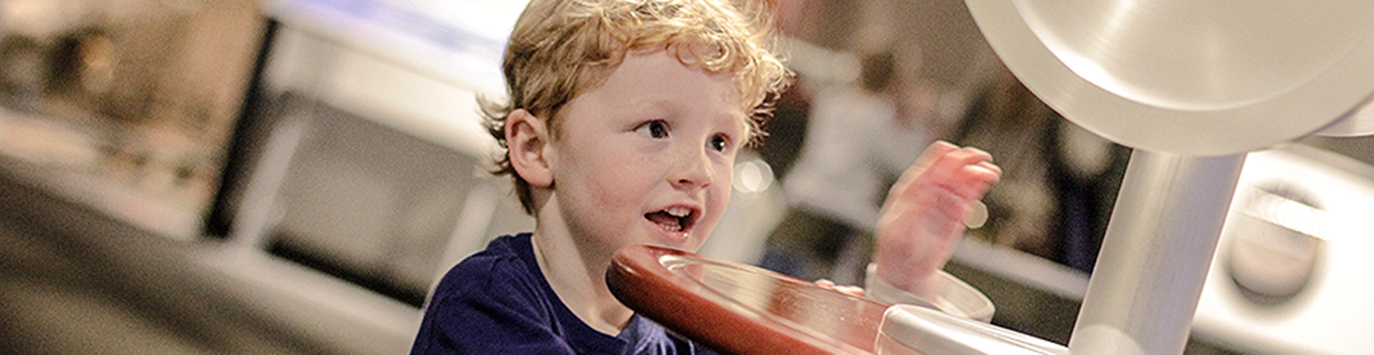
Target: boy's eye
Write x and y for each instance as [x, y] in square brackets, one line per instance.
[720, 143]
[653, 129]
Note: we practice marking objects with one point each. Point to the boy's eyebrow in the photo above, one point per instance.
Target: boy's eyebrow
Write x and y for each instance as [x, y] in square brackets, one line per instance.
[647, 105]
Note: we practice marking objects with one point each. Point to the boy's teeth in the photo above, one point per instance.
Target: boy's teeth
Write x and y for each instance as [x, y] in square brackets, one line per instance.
[679, 211]
[667, 220]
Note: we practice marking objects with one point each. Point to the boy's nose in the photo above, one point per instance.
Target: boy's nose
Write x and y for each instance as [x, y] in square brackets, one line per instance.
[693, 169]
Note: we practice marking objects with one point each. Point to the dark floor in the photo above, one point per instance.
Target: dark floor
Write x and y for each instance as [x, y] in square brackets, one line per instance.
[74, 281]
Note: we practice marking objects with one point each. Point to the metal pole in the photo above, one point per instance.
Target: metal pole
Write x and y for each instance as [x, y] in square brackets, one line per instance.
[1154, 258]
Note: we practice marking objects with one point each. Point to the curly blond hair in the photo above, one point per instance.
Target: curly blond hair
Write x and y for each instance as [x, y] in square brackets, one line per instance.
[562, 48]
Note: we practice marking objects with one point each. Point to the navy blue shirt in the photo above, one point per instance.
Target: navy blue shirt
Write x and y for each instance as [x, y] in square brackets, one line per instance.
[498, 302]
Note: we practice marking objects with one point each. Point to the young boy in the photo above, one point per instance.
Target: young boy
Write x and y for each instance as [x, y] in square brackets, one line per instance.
[624, 120]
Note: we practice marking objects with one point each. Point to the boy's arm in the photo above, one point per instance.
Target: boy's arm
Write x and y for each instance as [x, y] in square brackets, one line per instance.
[923, 217]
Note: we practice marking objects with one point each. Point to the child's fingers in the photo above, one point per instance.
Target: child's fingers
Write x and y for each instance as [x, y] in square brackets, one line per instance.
[967, 172]
[971, 182]
[954, 160]
[933, 152]
[990, 167]
[936, 153]
[946, 176]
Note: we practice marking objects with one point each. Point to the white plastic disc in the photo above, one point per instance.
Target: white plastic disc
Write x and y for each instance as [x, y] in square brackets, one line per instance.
[1195, 77]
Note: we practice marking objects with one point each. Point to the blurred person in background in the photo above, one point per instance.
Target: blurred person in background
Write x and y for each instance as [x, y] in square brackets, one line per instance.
[1061, 181]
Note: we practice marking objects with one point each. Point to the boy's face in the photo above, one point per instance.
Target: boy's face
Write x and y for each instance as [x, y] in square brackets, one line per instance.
[647, 158]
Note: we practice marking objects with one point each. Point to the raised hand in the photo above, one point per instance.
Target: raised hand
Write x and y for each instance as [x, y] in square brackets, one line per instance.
[923, 216]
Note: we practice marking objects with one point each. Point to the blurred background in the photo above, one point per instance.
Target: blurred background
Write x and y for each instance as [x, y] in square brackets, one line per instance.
[293, 176]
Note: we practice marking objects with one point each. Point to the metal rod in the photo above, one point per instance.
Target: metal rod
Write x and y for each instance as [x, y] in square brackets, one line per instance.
[1154, 258]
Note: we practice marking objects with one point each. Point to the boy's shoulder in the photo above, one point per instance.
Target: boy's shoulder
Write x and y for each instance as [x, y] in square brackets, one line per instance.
[494, 270]
[492, 301]
[499, 282]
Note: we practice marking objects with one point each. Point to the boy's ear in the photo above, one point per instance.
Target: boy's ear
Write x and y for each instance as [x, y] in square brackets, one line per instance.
[527, 139]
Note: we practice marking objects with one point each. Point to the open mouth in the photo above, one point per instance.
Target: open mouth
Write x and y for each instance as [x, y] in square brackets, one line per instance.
[674, 219]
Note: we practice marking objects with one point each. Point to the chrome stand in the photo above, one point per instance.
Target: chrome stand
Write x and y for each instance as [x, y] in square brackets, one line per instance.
[1156, 253]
